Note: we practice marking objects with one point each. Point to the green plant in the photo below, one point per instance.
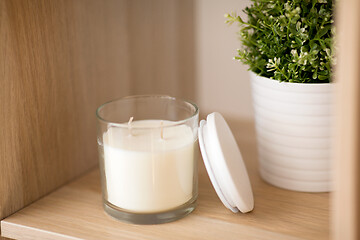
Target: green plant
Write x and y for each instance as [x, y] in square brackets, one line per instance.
[289, 41]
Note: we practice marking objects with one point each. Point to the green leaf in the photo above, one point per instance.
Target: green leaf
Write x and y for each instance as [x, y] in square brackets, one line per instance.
[323, 31]
[314, 76]
[321, 77]
[313, 45]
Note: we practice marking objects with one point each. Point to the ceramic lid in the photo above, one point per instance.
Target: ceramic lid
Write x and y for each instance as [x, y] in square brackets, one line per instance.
[224, 164]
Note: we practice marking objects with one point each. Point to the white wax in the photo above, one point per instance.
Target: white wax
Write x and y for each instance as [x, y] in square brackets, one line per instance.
[145, 173]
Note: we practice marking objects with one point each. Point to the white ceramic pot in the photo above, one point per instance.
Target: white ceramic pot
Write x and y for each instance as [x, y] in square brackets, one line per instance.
[293, 124]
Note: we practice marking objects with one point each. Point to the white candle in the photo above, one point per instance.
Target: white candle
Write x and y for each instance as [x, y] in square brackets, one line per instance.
[146, 173]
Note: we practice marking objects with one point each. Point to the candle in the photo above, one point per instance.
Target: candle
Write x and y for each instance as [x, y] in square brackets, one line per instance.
[148, 158]
[149, 166]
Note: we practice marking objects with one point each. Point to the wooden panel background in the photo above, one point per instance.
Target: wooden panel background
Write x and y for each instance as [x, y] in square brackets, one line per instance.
[59, 60]
[346, 197]
[161, 39]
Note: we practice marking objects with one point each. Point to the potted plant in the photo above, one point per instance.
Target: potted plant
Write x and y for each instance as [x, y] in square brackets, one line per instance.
[288, 48]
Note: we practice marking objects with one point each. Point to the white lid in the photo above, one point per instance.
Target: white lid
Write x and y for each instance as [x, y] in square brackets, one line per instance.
[224, 164]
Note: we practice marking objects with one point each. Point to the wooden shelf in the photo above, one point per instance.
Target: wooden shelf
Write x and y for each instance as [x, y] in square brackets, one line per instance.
[75, 211]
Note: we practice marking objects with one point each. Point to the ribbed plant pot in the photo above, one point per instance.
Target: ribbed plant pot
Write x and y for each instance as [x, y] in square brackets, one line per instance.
[293, 125]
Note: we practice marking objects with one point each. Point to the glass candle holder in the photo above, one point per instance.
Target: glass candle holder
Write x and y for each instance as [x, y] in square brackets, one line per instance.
[148, 158]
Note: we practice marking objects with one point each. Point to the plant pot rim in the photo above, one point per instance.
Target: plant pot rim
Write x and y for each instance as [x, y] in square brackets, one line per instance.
[290, 83]
[288, 87]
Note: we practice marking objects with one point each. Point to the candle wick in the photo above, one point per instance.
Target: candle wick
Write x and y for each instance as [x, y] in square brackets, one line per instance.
[161, 130]
[129, 125]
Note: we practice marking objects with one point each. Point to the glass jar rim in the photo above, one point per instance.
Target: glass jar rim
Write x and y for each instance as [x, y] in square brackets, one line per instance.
[125, 125]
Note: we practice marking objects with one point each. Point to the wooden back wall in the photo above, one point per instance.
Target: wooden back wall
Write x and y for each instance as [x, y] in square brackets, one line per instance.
[59, 60]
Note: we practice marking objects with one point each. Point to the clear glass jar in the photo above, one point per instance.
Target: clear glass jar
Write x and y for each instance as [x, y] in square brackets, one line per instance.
[148, 155]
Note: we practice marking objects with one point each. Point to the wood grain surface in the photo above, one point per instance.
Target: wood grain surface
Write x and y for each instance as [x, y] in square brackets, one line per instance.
[59, 60]
[161, 42]
[346, 200]
[75, 211]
